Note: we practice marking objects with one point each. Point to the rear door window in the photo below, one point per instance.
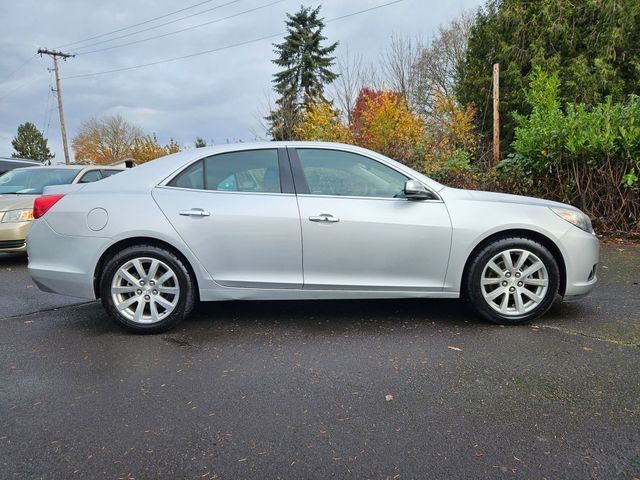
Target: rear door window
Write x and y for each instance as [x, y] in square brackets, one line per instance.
[247, 171]
[190, 177]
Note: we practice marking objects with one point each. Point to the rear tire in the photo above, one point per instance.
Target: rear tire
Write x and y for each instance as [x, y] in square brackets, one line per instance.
[512, 281]
[147, 289]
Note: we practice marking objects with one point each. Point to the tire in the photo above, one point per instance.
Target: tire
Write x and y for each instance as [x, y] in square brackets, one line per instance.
[512, 294]
[147, 289]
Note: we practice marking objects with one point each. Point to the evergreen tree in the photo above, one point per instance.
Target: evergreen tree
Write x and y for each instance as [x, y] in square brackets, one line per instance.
[30, 143]
[306, 69]
[594, 46]
[199, 143]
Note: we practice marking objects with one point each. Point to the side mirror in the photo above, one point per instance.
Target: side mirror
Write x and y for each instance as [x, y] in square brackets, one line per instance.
[414, 190]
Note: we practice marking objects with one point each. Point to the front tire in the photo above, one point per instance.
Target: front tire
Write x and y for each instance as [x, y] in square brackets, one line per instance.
[513, 280]
[147, 289]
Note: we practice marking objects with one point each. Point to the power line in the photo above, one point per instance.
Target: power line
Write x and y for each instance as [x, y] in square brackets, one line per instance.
[20, 86]
[46, 106]
[22, 65]
[364, 11]
[176, 58]
[49, 117]
[182, 30]
[136, 24]
[266, 37]
[158, 26]
[52, 106]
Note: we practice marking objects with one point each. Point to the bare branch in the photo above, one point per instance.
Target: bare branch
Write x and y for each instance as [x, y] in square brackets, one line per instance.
[346, 87]
[398, 62]
[437, 64]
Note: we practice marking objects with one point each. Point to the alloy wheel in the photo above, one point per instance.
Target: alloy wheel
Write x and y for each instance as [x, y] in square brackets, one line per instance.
[145, 290]
[514, 282]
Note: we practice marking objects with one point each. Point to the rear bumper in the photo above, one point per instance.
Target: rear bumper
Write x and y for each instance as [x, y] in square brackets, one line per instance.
[581, 254]
[63, 264]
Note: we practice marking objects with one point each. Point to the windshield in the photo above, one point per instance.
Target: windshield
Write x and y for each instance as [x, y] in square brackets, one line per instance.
[33, 180]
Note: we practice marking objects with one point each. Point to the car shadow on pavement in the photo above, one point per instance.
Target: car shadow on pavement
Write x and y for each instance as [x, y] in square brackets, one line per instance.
[210, 320]
[334, 314]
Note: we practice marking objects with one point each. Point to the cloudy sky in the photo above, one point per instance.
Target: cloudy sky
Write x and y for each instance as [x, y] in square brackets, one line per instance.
[217, 96]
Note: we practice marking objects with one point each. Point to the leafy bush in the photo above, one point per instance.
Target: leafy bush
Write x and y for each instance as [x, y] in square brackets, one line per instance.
[585, 156]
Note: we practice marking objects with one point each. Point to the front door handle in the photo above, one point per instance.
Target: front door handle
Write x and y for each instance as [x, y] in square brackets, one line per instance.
[194, 212]
[324, 218]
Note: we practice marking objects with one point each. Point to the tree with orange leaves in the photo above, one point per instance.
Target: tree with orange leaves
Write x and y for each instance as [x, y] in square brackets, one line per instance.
[451, 128]
[147, 148]
[383, 122]
[321, 122]
[106, 140]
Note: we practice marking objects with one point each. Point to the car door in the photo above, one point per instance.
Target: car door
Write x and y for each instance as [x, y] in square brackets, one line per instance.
[358, 230]
[237, 212]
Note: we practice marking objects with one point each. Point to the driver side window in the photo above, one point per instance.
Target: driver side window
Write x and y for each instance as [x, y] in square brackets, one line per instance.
[336, 173]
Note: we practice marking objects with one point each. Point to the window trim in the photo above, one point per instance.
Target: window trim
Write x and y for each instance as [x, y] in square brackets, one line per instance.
[302, 187]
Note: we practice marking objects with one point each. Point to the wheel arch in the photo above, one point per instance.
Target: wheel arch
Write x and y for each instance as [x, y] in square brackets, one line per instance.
[140, 240]
[521, 233]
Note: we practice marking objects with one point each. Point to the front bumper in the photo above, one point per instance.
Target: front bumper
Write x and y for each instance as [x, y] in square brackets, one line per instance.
[581, 255]
[12, 236]
[63, 264]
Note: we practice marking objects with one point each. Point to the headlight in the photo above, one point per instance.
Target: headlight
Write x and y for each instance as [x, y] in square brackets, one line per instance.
[24, 215]
[575, 217]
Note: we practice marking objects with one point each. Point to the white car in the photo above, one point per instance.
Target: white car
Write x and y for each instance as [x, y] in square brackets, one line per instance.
[302, 221]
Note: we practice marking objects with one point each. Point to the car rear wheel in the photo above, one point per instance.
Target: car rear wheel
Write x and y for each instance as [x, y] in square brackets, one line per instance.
[513, 280]
[147, 289]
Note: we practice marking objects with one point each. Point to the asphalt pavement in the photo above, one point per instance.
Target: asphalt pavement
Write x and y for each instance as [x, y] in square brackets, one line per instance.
[305, 390]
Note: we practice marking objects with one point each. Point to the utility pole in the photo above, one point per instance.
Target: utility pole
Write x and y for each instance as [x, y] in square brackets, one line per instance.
[496, 113]
[55, 54]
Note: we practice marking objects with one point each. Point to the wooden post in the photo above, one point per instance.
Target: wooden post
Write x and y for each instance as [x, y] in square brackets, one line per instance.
[496, 113]
[63, 129]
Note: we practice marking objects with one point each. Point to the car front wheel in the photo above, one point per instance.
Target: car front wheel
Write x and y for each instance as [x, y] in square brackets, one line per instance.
[513, 280]
[147, 289]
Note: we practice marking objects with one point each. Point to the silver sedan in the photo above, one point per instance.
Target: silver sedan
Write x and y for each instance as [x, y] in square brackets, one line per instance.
[300, 220]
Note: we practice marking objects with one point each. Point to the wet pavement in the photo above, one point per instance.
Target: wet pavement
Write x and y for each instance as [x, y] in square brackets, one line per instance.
[347, 389]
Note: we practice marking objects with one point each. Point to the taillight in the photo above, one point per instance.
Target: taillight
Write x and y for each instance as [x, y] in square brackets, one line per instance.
[42, 204]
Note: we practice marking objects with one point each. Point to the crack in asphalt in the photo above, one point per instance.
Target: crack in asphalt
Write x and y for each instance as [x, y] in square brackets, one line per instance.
[576, 333]
[45, 310]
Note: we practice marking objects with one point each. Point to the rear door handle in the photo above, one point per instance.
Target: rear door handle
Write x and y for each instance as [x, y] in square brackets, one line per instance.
[194, 212]
[324, 218]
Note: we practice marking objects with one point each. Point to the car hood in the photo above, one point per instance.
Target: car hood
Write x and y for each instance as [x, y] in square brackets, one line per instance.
[12, 201]
[494, 197]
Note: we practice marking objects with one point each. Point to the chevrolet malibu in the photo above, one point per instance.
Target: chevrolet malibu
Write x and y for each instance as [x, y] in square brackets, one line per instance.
[302, 221]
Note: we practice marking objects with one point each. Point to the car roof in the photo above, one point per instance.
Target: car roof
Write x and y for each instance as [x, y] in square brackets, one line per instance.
[150, 174]
[73, 167]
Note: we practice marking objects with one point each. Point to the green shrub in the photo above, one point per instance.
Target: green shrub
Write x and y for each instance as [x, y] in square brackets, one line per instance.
[585, 156]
